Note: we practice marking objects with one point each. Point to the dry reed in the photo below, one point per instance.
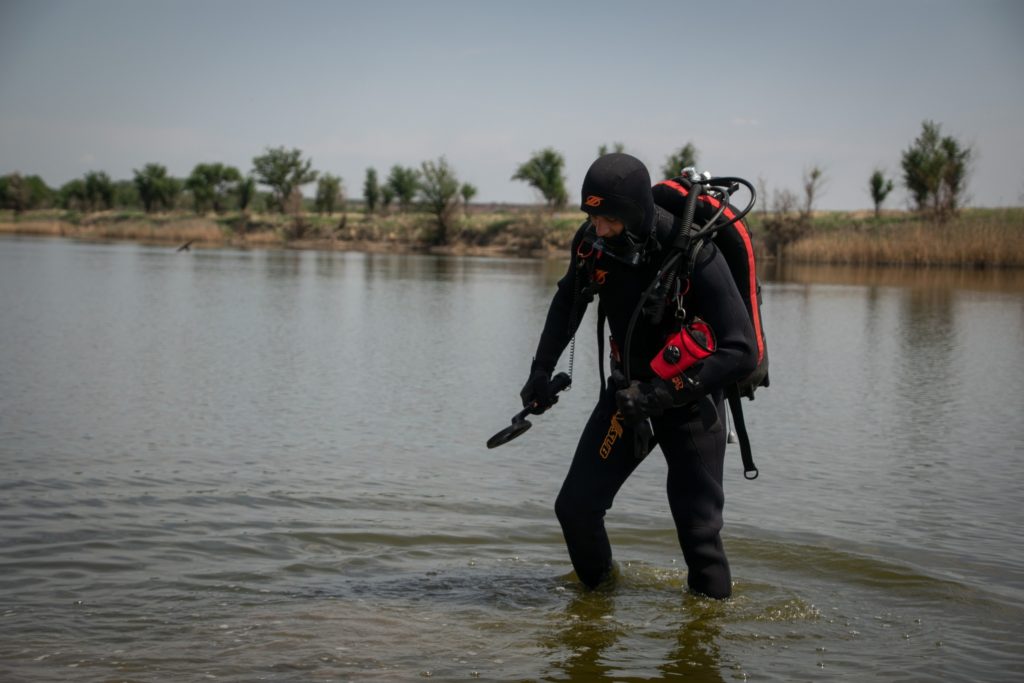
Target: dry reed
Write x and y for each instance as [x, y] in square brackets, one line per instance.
[142, 230]
[976, 239]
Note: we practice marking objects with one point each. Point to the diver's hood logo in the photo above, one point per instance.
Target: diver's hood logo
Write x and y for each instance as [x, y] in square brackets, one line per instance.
[594, 200]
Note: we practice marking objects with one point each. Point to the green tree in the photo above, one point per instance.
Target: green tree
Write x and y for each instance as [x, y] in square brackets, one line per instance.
[156, 189]
[545, 172]
[283, 171]
[99, 191]
[404, 183]
[172, 193]
[616, 147]
[24, 193]
[149, 184]
[14, 193]
[880, 187]
[439, 188]
[675, 163]
[954, 177]
[126, 195]
[71, 195]
[40, 195]
[387, 196]
[246, 192]
[935, 170]
[329, 194]
[212, 186]
[371, 190]
[468, 192]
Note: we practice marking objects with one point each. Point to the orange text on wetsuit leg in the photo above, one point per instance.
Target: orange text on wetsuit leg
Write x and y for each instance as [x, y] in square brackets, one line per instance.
[614, 432]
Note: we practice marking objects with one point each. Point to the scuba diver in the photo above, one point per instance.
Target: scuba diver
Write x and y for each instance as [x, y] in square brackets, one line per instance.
[616, 255]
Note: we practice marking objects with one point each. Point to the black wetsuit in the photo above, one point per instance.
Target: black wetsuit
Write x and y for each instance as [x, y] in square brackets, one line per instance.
[606, 454]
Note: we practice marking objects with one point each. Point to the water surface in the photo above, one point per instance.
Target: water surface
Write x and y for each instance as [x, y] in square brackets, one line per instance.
[270, 465]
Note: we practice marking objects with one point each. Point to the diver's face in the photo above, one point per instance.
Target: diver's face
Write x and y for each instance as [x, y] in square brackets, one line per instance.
[606, 226]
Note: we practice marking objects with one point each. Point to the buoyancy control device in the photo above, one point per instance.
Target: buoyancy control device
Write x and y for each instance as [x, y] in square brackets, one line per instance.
[703, 211]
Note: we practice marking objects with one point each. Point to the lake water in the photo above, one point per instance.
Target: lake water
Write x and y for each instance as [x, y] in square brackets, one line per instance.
[270, 465]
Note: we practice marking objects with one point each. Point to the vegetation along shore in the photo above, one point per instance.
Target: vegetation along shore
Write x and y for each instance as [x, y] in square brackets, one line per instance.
[427, 208]
[975, 238]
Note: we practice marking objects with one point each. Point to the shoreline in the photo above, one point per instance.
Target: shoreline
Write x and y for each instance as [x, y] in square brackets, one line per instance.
[271, 241]
[976, 239]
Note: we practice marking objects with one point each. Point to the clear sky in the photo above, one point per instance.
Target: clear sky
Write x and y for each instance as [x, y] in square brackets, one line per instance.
[763, 89]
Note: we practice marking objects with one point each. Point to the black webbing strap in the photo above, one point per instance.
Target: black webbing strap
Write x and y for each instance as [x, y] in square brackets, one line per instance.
[732, 394]
[600, 345]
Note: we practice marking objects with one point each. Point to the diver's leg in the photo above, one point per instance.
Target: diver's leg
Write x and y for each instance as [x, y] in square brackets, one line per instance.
[696, 497]
[604, 459]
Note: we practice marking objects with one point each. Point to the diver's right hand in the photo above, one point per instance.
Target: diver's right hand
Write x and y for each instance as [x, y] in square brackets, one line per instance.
[537, 394]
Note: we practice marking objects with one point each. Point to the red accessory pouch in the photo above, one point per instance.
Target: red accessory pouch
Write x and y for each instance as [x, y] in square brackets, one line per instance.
[693, 343]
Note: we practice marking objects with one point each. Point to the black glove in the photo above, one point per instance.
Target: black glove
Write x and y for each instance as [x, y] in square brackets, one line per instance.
[641, 400]
[536, 393]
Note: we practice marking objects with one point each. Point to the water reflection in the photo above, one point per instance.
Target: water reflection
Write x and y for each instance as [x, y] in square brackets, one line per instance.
[329, 264]
[593, 634]
[928, 332]
[587, 631]
[282, 264]
[696, 655]
[929, 278]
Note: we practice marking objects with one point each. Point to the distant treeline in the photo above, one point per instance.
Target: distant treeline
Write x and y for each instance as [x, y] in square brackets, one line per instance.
[935, 169]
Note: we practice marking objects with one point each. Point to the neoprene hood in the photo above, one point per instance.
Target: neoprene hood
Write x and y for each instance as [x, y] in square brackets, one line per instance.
[618, 185]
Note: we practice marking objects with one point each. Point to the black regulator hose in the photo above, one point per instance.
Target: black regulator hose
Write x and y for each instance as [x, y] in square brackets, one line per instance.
[727, 186]
[680, 245]
[671, 262]
[669, 268]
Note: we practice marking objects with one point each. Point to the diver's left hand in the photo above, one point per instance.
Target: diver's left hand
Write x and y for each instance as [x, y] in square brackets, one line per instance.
[641, 400]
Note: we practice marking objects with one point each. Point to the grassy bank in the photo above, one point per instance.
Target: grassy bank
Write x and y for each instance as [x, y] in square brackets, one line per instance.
[990, 238]
[523, 232]
[977, 238]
